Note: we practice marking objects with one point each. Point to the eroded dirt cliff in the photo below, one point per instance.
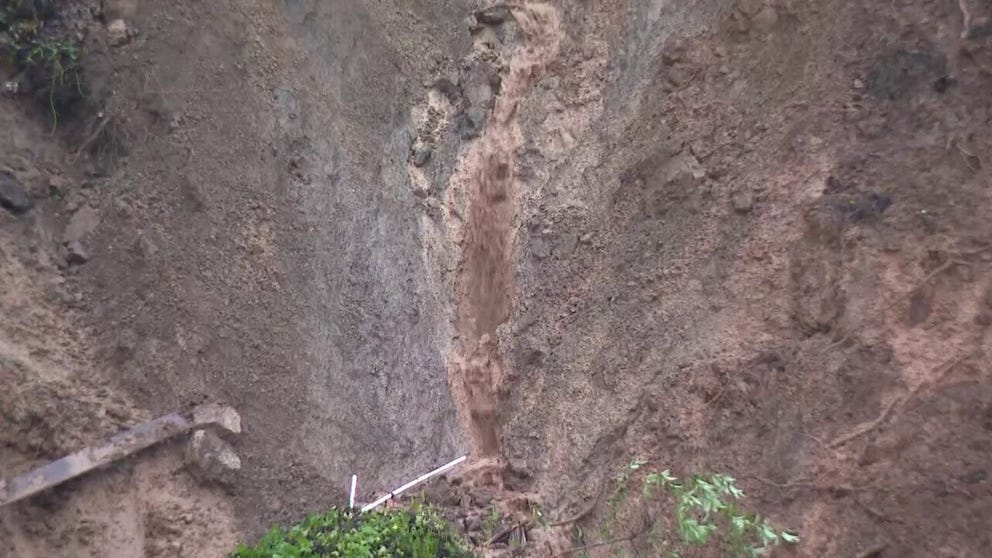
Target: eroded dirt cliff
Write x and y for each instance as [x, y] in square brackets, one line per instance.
[746, 236]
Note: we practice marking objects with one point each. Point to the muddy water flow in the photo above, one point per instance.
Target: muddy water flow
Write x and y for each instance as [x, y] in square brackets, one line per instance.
[485, 281]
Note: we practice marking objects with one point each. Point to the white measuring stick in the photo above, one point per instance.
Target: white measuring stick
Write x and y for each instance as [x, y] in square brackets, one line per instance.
[413, 483]
[354, 485]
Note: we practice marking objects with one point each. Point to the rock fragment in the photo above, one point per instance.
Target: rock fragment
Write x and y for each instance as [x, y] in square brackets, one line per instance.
[211, 459]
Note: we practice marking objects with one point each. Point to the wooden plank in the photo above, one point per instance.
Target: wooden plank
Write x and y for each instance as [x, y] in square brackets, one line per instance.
[122, 445]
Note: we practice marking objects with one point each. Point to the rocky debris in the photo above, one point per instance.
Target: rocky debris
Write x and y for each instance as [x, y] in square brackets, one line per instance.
[565, 244]
[11, 87]
[75, 253]
[765, 20]
[471, 122]
[495, 15]
[448, 86]
[13, 196]
[421, 152]
[118, 33]
[434, 208]
[144, 247]
[83, 222]
[164, 529]
[480, 84]
[486, 37]
[681, 173]
[419, 189]
[58, 186]
[211, 459]
[540, 247]
[534, 349]
[675, 51]
[743, 201]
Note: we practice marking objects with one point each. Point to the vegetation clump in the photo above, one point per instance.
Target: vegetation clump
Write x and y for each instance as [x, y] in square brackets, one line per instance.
[45, 62]
[414, 532]
[687, 512]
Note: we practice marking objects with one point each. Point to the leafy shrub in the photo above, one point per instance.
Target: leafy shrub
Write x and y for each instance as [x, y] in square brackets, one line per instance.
[417, 532]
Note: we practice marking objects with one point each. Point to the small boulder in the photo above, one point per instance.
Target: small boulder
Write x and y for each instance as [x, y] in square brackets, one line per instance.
[211, 459]
[13, 196]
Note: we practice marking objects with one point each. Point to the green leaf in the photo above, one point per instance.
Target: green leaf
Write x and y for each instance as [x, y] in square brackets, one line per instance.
[767, 533]
[789, 537]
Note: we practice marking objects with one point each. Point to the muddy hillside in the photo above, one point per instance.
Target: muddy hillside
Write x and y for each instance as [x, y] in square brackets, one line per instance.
[749, 237]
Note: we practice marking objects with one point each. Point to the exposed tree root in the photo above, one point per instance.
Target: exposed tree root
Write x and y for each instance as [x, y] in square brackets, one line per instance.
[897, 402]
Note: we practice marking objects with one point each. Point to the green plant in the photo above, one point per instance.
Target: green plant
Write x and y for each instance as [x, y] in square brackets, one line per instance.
[416, 532]
[491, 522]
[620, 493]
[537, 517]
[48, 63]
[704, 510]
[705, 505]
[58, 61]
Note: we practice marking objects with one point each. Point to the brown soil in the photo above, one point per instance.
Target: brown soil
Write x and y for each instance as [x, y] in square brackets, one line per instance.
[746, 237]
